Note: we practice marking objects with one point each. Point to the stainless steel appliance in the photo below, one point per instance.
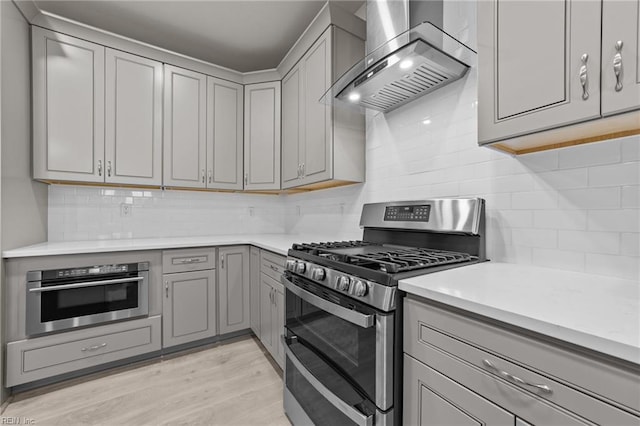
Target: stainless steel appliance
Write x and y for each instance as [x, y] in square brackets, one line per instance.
[343, 309]
[61, 299]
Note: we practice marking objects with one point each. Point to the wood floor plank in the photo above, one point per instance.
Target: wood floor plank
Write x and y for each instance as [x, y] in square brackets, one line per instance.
[229, 384]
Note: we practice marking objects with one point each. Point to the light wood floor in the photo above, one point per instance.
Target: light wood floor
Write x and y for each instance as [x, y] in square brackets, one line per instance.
[228, 384]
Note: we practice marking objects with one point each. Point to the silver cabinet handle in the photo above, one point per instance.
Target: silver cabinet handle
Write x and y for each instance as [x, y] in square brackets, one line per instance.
[166, 288]
[356, 416]
[584, 77]
[361, 320]
[516, 379]
[273, 267]
[188, 260]
[299, 171]
[109, 168]
[94, 348]
[210, 176]
[222, 261]
[246, 179]
[617, 65]
[203, 176]
[85, 284]
[99, 167]
[303, 171]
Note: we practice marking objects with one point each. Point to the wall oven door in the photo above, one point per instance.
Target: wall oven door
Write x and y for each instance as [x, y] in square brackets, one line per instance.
[69, 298]
[339, 357]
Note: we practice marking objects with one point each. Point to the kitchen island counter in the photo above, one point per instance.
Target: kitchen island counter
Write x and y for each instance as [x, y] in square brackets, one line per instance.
[595, 312]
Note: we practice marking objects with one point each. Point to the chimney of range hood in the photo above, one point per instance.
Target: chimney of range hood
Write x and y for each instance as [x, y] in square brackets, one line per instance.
[408, 56]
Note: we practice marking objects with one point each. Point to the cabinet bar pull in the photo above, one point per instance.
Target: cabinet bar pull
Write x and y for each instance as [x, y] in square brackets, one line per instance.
[99, 167]
[303, 171]
[222, 261]
[516, 379]
[203, 176]
[109, 168]
[584, 77]
[617, 65]
[94, 348]
[210, 176]
[166, 288]
[246, 179]
[299, 171]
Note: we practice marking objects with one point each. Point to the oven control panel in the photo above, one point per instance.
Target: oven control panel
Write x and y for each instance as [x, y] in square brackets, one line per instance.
[407, 213]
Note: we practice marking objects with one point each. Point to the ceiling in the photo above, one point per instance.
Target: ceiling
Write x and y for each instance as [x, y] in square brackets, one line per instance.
[244, 35]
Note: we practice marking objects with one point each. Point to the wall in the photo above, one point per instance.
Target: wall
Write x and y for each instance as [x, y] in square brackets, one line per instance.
[89, 213]
[23, 203]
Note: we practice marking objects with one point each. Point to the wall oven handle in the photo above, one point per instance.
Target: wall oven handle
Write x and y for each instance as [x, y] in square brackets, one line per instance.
[362, 320]
[355, 415]
[87, 284]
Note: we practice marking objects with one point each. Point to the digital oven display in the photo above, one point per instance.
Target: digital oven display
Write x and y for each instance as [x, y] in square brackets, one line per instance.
[407, 213]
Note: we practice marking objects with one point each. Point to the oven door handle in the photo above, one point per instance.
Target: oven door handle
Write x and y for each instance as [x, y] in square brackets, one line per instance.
[361, 320]
[355, 415]
[87, 284]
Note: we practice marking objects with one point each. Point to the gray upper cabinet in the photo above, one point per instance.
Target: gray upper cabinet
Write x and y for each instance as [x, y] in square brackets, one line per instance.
[133, 119]
[224, 134]
[620, 56]
[184, 128]
[321, 143]
[233, 278]
[68, 108]
[262, 136]
[539, 65]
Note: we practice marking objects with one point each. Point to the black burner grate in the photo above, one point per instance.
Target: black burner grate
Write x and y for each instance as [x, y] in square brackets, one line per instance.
[409, 259]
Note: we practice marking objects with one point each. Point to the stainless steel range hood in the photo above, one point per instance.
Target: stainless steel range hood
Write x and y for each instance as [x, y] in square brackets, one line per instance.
[407, 66]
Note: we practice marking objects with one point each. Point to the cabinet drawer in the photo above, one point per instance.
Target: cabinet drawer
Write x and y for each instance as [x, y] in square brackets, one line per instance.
[48, 356]
[272, 265]
[185, 260]
[507, 357]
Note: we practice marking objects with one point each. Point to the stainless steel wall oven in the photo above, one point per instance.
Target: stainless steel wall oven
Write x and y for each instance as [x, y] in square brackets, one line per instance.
[61, 299]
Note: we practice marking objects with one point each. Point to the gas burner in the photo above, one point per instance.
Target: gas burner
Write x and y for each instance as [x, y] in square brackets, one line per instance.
[408, 259]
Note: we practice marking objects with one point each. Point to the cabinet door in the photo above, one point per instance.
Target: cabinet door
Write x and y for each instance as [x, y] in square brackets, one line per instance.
[620, 56]
[278, 324]
[262, 136]
[68, 108]
[224, 134]
[534, 58]
[133, 119]
[233, 276]
[184, 128]
[254, 291]
[316, 147]
[188, 307]
[431, 398]
[266, 316]
[292, 128]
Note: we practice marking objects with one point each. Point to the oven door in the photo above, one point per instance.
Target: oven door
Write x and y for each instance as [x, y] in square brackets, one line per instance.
[75, 303]
[347, 347]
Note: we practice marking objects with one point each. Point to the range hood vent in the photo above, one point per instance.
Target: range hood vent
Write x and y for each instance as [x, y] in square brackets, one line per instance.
[415, 63]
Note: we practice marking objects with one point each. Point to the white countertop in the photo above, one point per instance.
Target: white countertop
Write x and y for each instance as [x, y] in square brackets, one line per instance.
[595, 312]
[277, 243]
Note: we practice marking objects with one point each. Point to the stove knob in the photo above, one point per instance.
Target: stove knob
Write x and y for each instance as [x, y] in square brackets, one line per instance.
[360, 288]
[343, 283]
[290, 265]
[318, 274]
[301, 267]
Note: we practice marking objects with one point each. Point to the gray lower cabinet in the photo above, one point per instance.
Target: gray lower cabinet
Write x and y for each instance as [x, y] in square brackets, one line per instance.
[272, 305]
[459, 369]
[254, 290]
[233, 285]
[48, 356]
[189, 308]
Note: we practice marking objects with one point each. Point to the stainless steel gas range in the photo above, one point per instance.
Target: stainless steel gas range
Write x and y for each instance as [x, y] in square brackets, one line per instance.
[343, 309]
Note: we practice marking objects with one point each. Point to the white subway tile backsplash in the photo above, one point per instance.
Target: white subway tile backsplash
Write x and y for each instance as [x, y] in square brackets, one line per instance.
[590, 198]
[630, 197]
[630, 244]
[615, 174]
[631, 149]
[560, 219]
[535, 238]
[626, 267]
[625, 220]
[560, 179]
[514, 218]
[590, 154]
[589, 242]
[560, 259]
[534, 200]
